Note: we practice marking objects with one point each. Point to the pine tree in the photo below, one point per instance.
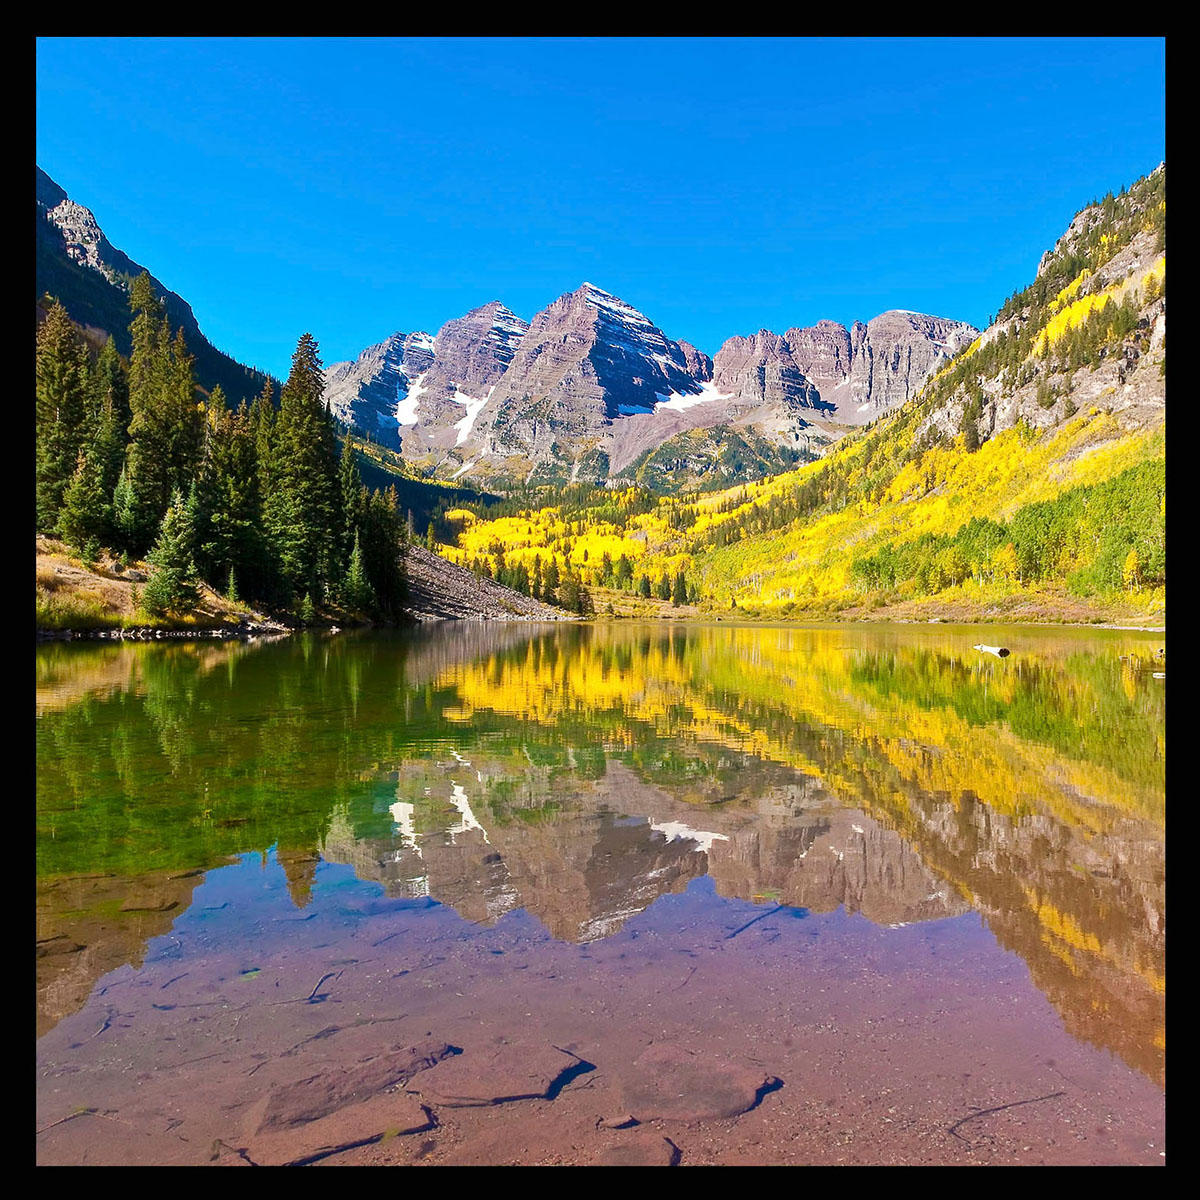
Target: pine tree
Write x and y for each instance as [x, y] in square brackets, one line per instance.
[108, 444]
[172, 586]
[679, 590]
[569, 596]
[185, 415]
[357, 593]
[108, 382]
[550, 582]
[383, 552]
[109, 414]
[229, 517]
[61, 394]
[302, 509]
[353, 497]
[83, 520]
[124, 514]
[149, 460]
[644, 589]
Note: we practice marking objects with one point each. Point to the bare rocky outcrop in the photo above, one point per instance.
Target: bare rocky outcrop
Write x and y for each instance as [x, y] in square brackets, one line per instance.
[847, 376]
[894, 353]
[762, 370]
[421, 394]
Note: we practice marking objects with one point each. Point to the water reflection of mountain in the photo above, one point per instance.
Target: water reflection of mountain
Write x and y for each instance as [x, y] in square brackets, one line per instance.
[581, 773]
[584, 866]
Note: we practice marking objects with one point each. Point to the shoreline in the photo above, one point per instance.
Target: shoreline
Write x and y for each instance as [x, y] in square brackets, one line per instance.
[255, 630]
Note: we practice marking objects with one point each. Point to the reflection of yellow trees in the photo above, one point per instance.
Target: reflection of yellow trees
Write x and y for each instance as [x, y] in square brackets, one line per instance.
[1062, 933]
[718, 686]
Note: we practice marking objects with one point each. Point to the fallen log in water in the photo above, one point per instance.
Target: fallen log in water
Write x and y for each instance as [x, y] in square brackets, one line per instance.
[998, 651]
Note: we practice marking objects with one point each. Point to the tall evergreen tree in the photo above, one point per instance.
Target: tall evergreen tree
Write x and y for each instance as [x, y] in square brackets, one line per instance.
[83, 520]
[172, 586]
[569, 593]
[302, 509]
[185, 414]
[124, 514]
[108, 442]
[149, 462]
[353, 497]
[679, 594]
[550, 581]
[357, 593]
[108, 387]
[228, 534]
[61, 397]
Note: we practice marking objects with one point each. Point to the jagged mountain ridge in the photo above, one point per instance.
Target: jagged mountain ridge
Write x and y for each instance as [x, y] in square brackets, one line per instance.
[79, 266]
[591, 386]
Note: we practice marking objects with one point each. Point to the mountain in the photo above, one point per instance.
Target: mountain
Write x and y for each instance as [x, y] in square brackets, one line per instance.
[420, 394]
[78, 265]
[592, 389]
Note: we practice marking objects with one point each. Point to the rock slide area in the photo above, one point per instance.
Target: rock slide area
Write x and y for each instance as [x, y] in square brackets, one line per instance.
[439, 590]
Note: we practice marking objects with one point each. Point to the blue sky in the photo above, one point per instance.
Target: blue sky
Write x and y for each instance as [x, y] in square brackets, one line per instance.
[355, 187]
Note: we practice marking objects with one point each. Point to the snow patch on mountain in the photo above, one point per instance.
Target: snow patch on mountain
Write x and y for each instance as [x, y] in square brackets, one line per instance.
[680, 400]
[406, 406]
[473, 406]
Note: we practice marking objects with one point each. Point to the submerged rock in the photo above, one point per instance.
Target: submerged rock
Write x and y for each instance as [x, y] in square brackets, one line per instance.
[673, 1083]
[318, 1096]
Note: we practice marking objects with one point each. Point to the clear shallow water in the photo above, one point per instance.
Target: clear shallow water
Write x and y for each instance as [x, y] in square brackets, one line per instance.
[852, 846]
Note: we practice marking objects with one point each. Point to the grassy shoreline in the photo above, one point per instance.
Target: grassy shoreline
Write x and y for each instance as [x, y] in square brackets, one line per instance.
[77, 598]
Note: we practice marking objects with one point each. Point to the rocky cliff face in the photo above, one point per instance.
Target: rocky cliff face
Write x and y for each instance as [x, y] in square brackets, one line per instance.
[893, 355]
[848, 376]
[369, 394]
[422, 394]
[762, 369]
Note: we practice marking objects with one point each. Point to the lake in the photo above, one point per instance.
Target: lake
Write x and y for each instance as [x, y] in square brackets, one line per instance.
[603, 894]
